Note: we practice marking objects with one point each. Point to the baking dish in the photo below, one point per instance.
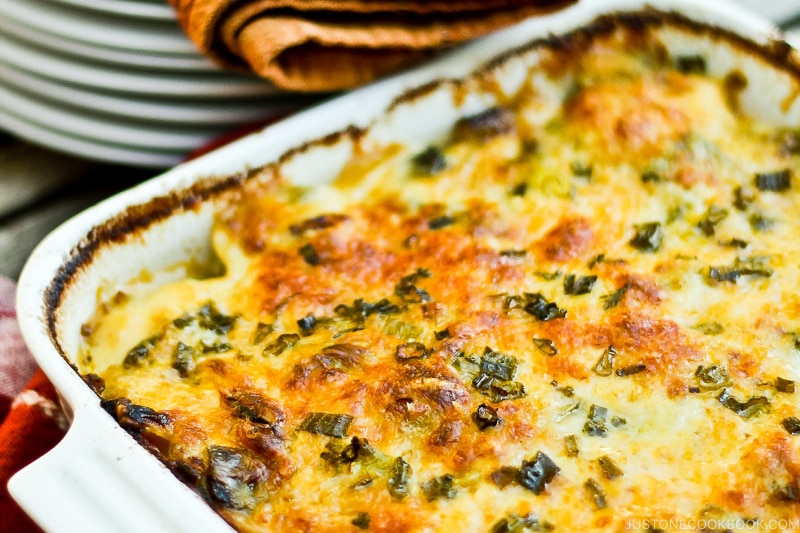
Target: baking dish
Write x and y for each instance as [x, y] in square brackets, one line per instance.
[98, 478]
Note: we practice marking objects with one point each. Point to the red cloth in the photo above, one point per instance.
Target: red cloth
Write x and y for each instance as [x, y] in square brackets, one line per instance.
[30, 422]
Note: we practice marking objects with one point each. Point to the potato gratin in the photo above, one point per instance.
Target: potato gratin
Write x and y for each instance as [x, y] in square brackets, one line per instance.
[578, 311]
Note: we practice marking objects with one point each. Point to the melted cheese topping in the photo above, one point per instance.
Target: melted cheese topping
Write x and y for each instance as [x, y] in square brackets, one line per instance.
[577, 313]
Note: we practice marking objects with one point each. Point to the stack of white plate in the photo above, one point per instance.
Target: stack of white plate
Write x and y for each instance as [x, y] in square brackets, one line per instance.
[119, 81]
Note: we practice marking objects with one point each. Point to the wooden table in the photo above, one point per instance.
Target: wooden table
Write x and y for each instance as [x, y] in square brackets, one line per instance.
[40, 188]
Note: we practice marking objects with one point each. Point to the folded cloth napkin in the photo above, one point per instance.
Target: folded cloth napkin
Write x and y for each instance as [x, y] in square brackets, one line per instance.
[31, 422]
[325, 45]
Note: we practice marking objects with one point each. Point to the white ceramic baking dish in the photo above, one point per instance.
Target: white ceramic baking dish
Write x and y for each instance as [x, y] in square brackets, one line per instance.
[98, 479]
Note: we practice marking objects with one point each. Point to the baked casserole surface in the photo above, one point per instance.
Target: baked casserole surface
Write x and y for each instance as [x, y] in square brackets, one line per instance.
[576, 311]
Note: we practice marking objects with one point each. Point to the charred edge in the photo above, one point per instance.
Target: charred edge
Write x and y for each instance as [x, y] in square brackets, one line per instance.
[417, 93]
[140, 217]
[776, 53]
[354, 133]
[121, 227]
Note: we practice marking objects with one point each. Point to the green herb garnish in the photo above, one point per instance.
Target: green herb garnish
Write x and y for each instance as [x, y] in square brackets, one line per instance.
[785, 386]
[498, 365]
[407, 289]
[753, 266]
[140, 353]
[709, 328]
[307, 324]
[441, 222]
[310, 255]
[428, 162]
[535, 474]
[792, 425]
[778, 181]
[545, 346]
[712, 377]
[760, 223]
[648, 237]
[183, 359]
[575, 285]
[486, 417]
[596, 493]
[613, 299]
[439, 487]
[571, 445]
[595, 426]
[361, 521]
[360, 309]
[609, 467]
[691, 64]
[605, 365]
[713, 216]
[748, 409]
[631, 370]
[262, 330]
[541, 309]
[332, 425]
[515, 523]
[211, 319]
[281, 344]
[398, 481]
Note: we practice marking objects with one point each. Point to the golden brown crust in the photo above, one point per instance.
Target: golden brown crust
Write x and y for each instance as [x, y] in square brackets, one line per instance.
[420, 340]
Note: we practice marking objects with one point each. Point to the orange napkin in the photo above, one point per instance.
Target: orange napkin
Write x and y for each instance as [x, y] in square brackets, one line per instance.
[32, 427]
[30, 421]
[325, 45]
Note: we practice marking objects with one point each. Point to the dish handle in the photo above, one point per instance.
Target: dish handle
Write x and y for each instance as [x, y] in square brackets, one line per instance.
[89, 484]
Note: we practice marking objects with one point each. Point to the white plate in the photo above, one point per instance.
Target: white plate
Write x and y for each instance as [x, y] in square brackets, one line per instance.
[144, 10]
[80, 50]
[82, 148]
[163, 37]
[216, 113]
[97, 127]
[190, 86]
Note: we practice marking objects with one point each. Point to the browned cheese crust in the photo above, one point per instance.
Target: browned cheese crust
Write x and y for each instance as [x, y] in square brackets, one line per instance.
[576, 312]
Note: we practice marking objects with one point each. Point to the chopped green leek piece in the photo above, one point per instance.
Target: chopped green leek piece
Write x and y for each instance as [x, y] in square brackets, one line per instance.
[792, 425]
[281, 344]
[535, 474]
[332, 425]
[748, 409]
[596, 492]
[541, 309]
[571, 445]
[498, 365]
[784, 385]
[398, 481]
[712, 377]
[310, 255]
[429, 162]
[262, 330]
[609, 467]
[361, 521]
[605, 365]
[485, 416]
[545, 346]
[577, 285]
[440, 487]
[613, 299]
[211, 319]
[648, 237]
[777, 181]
